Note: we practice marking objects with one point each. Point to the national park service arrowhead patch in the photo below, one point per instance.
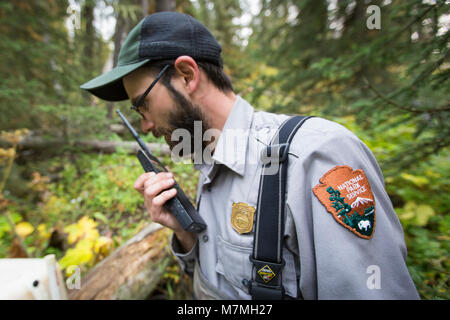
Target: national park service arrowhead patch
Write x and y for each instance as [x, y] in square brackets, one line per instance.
[347, 195]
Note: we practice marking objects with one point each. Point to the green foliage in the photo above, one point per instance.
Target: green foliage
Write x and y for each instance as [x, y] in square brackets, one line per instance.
[219, 17]
[4, 226]
[428, 260]
[421, 200]
[328, 60]
[41, 63]
[97, 209]
[70, 122]
[314, 57]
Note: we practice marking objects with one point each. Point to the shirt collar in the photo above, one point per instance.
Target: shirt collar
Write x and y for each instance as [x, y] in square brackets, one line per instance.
[231, 147]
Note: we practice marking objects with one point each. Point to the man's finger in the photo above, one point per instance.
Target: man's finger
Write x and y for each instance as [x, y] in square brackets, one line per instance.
[139, 183]
[156, 178]
[163, 197]
[155, 188]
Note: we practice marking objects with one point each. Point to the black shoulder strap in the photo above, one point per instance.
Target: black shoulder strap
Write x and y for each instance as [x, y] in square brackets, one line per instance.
[269, 231]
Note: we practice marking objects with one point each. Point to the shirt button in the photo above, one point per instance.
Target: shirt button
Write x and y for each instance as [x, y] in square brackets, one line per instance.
[205, 238]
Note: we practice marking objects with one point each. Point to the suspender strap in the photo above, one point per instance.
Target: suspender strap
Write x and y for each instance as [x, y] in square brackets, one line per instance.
[269, 231]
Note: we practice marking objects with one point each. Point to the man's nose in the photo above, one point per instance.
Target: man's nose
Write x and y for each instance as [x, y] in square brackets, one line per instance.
[147, 125]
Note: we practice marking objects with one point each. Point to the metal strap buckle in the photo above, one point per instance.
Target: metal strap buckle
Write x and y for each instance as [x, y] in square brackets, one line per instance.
[276, 153]
[262, 292]
[273, 265]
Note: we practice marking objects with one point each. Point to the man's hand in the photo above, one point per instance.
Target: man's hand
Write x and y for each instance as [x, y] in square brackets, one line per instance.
[156, 191]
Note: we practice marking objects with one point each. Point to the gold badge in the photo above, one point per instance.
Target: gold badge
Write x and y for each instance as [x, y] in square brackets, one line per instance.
[242, 217]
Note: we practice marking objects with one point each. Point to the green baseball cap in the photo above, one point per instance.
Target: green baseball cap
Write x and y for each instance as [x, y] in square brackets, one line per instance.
[159, 36]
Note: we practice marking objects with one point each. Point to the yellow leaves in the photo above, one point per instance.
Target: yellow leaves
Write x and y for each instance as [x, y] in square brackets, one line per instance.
[80, 255]
[389, 180]
[414, 214]
[85, 228]
[417, 180]
[7, 153]
[269, 71]
[13, 137]
[43, 232]
[89, 244]
[85, 252]
[103, 246]
[24, 229]
[431, 174]
[262, 70]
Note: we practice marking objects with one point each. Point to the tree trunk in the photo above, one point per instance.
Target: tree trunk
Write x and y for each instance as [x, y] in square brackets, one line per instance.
[131, 272]
[87, 18]
[119, 36]
[145, 8]
[165, 5]
[38, 143]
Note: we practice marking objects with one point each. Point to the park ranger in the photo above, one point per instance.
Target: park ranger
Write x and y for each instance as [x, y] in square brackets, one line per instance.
[335, 232]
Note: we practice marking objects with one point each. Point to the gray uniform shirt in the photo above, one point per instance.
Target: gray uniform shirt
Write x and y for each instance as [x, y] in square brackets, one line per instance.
[323, 259]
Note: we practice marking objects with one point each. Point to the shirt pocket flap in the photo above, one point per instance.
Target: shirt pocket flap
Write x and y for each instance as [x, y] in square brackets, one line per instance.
[233, 263]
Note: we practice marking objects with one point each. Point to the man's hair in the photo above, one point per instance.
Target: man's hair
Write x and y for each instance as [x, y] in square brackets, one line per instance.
[214, 73]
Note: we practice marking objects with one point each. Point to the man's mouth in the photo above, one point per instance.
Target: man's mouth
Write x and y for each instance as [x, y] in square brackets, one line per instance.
[168, 139]
[155, 134]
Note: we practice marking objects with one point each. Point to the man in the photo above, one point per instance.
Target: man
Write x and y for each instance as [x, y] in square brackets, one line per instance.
[342, 238]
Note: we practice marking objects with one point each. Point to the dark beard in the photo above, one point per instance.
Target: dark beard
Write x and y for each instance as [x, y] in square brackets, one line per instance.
[184, 116]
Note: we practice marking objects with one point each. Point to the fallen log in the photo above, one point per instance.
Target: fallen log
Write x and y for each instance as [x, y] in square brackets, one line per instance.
[39, 143]
[130, 272]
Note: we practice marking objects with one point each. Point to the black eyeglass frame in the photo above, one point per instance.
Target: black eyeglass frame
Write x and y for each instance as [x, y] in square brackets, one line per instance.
[145, 94]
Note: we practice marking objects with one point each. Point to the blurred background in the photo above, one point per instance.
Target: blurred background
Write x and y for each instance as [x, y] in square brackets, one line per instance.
[380, 68]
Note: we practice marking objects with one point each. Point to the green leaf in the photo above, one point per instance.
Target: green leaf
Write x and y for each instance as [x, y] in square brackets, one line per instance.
[417, 180]
[100, 216]
[423, 214]
[417, 215]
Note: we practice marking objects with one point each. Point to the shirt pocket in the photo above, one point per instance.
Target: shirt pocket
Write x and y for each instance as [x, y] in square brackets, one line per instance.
[234, 264]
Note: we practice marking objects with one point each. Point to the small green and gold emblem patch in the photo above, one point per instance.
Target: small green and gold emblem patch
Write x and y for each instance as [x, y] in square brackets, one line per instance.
[266, 273]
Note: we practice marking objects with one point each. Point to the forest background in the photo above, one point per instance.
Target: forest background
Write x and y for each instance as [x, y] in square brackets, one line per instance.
[380, 71]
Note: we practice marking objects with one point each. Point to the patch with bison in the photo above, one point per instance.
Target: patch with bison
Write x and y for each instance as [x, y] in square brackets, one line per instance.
[347, 195]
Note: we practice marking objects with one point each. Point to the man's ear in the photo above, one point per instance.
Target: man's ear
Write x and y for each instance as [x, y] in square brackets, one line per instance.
[187, 68]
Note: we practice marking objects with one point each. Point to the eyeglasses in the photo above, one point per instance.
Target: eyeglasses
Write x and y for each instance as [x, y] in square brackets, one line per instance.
[141, 100]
